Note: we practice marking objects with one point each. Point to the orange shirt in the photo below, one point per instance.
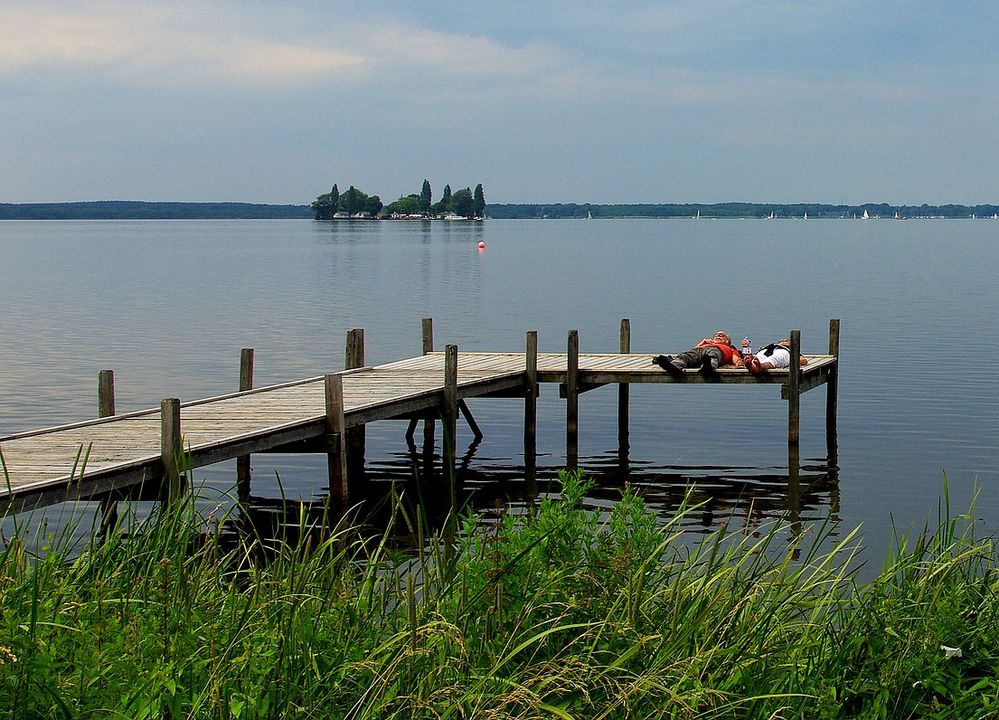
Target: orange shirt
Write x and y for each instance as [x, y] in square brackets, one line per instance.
[728, 352]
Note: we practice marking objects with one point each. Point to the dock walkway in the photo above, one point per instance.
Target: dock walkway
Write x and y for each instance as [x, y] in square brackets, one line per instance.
[109, 456]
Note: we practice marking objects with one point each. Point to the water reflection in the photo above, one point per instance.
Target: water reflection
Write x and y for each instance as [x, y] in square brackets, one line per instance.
[411, 482]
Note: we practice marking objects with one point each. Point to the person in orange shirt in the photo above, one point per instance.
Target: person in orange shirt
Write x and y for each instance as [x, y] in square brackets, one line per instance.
[707, 355]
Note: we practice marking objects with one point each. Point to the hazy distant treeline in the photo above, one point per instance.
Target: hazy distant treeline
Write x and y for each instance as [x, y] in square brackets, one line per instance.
[128, 210]
[733, 210]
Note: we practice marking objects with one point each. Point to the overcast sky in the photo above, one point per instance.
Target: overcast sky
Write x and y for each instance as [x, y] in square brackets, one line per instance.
[544, 101]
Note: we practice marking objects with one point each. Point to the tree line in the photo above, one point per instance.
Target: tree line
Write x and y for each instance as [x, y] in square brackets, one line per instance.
[355, 203]
[135, 210]
[459, 204]
[733, 210]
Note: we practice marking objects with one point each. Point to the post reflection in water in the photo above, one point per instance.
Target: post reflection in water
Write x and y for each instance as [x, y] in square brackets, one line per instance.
[746, 498]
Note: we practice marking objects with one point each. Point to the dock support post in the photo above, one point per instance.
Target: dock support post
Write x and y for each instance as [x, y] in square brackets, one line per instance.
[243, 461]
[355, 436]
[832, 383]
[449, 418]
[794, 490]
[170, 449]
[793, 389]
[623, 396]
[428, 423]
[105, 393]
[336, 445]
[572, 401]
[105, 408]
[428, 335]
[472, 425]
[531, 414]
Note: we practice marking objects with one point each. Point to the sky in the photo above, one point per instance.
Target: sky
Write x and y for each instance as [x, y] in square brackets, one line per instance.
[842, 101]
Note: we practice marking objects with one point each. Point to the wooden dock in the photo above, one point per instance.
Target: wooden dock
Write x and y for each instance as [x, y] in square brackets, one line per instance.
[110, 457]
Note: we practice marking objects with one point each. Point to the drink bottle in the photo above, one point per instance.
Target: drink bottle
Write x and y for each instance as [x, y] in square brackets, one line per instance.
[747, 349]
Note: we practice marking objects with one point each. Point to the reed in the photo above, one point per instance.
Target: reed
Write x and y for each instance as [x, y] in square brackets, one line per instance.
[551, 613]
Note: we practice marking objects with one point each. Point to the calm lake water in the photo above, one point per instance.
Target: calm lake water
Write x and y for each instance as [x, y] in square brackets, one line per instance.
[168, 305]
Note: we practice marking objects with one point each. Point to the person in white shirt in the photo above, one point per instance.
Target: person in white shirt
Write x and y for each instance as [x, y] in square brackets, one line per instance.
[775, 355]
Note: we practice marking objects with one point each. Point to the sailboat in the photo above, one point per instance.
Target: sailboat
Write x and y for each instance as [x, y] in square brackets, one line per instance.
[865, 216]
[588, 215]
[698, 215]
[898, 215]
[805, 216]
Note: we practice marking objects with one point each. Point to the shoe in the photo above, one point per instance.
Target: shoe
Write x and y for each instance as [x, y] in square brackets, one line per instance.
[666, 363]
[707, 369]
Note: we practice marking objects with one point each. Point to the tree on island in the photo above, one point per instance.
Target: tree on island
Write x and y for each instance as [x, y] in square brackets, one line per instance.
[445, 204]
[479, 202]
[462, 203]
[325, 205]
[425, 197]
[409, 205]
[353, 201]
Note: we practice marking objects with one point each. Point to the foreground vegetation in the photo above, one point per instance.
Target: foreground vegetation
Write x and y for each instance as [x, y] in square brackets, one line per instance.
[551, 613]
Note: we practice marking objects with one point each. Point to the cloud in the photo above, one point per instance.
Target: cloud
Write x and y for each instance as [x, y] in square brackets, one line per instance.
[192, 45]
[456, 55]
[161, 45]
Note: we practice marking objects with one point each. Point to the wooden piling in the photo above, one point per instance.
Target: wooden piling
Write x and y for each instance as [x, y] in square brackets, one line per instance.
[243, 461]
[449, 429]
[449, 412]
[531, 413]
[246, 369]
[794, 488]
[105, 393]
[793, 389]
[623, 393]
[355, 436]
[428, 335]
[170, 449]
[472, 425]
[106, 408]
[336, 446]
[832, 388]
[572, 401]
[428, 423]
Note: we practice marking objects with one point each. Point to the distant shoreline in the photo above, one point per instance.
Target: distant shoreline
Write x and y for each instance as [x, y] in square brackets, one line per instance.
[135, 210]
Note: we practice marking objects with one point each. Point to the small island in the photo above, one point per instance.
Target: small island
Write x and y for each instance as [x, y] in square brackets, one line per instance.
[354, 204]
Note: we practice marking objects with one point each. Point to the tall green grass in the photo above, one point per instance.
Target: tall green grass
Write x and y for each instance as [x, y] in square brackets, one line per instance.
[549, 613]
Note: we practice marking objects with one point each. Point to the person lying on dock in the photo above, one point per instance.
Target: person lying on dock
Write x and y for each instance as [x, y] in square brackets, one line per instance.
[774, 355]
[707, 355]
